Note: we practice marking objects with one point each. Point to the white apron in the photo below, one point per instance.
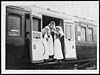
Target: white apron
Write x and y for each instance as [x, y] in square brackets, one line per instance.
[45, 45]
[57, 49]
[50, 45]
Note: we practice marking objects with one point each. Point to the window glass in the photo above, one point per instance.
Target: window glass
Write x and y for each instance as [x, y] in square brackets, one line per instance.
[14, 22]
[68, 31]
[83, 34]
[36, 24]
[28, 24]
[78, 28]
[90, 34]
[95, 35]
[78, 33]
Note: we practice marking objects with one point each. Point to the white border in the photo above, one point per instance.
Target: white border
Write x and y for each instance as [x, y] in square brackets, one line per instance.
[4, 71]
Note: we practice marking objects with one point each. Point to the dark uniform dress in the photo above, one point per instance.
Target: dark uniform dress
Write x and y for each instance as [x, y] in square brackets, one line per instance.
[52, 34]
[62, 45]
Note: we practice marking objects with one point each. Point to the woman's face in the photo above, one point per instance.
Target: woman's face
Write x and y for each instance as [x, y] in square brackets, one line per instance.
[52, 25]
[57, 29]
[47, 30]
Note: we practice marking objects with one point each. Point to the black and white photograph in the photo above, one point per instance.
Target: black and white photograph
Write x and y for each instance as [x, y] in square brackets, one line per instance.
[50, 37]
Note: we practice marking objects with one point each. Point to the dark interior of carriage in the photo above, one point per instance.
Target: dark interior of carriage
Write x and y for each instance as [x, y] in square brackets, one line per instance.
[47, 19]
[58, 22]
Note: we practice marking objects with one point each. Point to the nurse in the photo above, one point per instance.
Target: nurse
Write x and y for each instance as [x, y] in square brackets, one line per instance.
[52, 33]
[62, 40]
[57, 45]
[45, 43]
[50, 43]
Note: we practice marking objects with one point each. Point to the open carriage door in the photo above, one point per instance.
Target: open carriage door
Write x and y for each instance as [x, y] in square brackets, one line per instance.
[69, 31]
[36, 42]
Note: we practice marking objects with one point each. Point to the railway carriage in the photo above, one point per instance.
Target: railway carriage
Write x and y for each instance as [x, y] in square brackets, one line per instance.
[24, 47]
[86, 38]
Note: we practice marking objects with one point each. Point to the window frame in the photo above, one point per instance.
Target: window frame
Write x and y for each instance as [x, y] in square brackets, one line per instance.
[36, 32]
[20, 30]
[85, 34]
[82, 25]
[39, 20]
[70, 32]
[92, 34]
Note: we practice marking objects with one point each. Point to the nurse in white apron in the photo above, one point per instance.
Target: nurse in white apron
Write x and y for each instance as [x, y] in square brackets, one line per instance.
[44, 42]
[57, 45]
[50, 42]
[62, 41]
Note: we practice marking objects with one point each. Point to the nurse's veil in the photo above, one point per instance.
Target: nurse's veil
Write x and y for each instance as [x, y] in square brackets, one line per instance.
[60, 31]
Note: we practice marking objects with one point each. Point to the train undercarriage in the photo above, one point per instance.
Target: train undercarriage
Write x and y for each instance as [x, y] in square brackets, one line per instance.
[82, 64]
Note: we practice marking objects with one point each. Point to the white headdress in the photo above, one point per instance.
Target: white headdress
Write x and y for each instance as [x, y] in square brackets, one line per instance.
[52, 22]
[60, 30]
[46, 27]
[43, 30]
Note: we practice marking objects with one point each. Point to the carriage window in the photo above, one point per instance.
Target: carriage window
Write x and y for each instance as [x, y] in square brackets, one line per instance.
[83, 34]
[28, 24]
[78, 28]
[95, 35]
[78, 32]
[90, 34]
[36, 24]
[13, 22]
[68, 31]
[27, 17]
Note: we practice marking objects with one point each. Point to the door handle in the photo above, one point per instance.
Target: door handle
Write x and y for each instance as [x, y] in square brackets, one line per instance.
[34, 46]
[27, 32]
[69, 39]
[72, 46]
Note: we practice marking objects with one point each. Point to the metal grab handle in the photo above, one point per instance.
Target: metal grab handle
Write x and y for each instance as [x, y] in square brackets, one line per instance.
[69, 39]
[27, 32]
[36, 37]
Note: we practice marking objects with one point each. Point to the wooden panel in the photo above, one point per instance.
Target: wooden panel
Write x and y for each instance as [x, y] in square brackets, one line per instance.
[86, 52]
[16, 46]
[11, 39]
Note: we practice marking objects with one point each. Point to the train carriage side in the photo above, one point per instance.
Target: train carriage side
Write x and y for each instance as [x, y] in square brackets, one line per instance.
[86, 40]
[24, 37]
[17, 37]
